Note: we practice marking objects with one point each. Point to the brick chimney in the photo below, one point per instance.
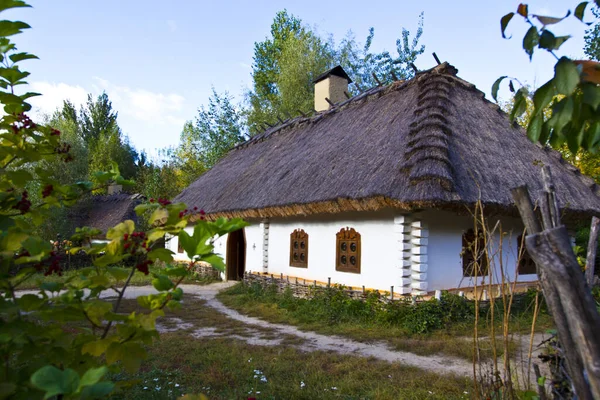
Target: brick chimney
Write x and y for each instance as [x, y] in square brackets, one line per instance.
[332, 85]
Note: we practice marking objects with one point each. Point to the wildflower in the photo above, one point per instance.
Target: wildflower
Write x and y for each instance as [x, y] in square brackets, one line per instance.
[263, 379]
[333, 388]
[155, 379]
[145, 387]
[302, 385]
[177, 385]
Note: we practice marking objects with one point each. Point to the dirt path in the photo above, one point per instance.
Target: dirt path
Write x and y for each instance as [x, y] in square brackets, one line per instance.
[314, 341]
[306, 340]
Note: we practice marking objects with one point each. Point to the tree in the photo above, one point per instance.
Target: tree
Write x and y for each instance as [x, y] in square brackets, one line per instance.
[286, 63]
[361, 64]
[218, 128]
[97, 125]
[592, 38]
[96, 118]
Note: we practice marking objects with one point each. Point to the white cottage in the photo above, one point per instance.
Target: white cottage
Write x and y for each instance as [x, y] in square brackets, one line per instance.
[374, 190]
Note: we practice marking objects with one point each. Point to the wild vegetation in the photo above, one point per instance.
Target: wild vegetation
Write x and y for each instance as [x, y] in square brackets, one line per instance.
[62, 340]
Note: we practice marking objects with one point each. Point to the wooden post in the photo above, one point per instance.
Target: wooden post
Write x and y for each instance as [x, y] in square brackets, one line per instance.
[328, 282]
[296, 281]
[590, 261]
[315, 283]
[282, 276]
[364, 291]
[569, 301]
[392, 293]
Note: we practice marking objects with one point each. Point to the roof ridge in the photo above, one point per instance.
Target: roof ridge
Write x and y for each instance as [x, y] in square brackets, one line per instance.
[426, 156]
[443, 69]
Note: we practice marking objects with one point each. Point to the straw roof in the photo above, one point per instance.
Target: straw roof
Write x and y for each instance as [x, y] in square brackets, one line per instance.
[104, 212]
[431, 142]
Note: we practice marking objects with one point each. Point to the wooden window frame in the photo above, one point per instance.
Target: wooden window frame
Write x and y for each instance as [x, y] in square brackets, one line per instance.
[349, 237]
[526, 265]
[298, 237]
[468, 258]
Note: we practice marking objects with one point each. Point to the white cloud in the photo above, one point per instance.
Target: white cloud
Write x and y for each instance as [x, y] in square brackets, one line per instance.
[53, 95]
[150, 119]
[172, 25]
[144, 105]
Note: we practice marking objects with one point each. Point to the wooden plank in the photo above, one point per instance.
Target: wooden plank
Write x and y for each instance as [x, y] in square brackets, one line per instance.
[590, 262]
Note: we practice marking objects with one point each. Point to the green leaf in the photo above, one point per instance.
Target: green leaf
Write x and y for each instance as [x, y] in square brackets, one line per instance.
[158, 215]
[51, 286]
[97, 391]
[561, 114]
[214, 260]
[534, 130]
[92, 376]
[566, 76]
[118, 273]
[531, 40]
[161, 283]
[22, 56]
[130, 353]
[37, 246]
[54, 382]
[19, 177]
[96, 310]
[520, 104]
[550, 20]
[496, 87]
[98, 347]
[9, 28]
[543, 96]
[580, 10]
[30, 302]
[7, 4]
[591, 95]
[504, 22]
[541, 381]
[161, 254]
[550, 42]
[176, 271]
[126, 227]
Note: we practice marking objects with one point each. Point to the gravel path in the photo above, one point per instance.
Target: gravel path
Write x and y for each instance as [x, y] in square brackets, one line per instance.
[311, 341]
[315, 342]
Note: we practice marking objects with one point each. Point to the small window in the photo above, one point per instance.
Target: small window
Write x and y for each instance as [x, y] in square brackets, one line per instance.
[299, 249]
[347, 254]
[475, 260]
[526, 264]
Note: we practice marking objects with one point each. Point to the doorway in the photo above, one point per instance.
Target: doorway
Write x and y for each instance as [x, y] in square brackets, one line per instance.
[236, 255]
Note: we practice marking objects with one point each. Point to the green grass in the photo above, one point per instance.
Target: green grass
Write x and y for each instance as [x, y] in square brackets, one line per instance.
[429, 330]
[225, 369]
[138, 279]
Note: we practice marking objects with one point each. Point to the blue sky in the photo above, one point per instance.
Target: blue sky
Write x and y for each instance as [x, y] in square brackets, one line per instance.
[157, 60]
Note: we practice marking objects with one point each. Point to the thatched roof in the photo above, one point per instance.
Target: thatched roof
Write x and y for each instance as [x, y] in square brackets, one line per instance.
[104, 212]
[432, 141]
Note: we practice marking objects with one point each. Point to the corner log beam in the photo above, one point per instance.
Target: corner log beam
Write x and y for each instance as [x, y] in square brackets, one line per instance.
[568, 298]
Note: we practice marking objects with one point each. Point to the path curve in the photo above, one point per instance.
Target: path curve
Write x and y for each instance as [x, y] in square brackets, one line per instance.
[315, 341]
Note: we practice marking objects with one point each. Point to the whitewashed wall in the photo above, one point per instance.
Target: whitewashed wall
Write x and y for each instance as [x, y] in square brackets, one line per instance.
[445, 247]
[379, 267]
